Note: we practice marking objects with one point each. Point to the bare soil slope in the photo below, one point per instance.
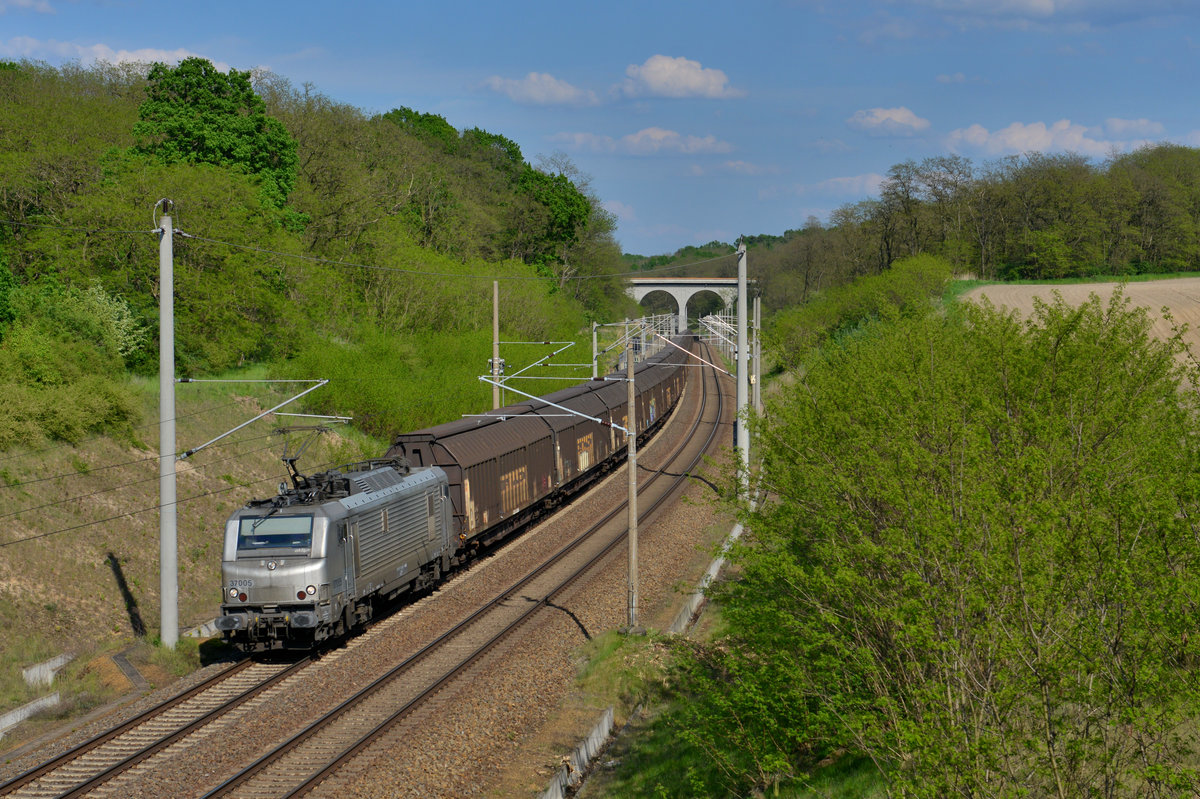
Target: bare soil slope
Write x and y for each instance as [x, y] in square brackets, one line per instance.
[1180, 296]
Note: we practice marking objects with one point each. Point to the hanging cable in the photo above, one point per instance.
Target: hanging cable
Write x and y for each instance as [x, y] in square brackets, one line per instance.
[93, 470]
[126, 485]
[145, 510]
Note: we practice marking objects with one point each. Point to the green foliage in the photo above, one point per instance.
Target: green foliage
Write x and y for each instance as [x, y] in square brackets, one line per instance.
[1037, 215]
[564, 211]
[391, 382]
[182, 660]
[195, 114]
[688, 254]
[36, 401]
[907, 287]
[255, 281]
[93, 109]
[8, 284]
[507, 150]
[232, 305]
[53, 386]
[60, 333]
[977, 568]
[429, 127]
[117, 328]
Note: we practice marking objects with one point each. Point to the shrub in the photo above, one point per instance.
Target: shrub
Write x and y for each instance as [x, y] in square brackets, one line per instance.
[978, 567]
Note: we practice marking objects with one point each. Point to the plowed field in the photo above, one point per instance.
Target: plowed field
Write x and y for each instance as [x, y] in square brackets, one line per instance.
[1181, 297]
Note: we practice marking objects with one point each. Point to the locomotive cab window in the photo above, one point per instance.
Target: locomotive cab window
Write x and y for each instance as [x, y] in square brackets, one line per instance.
[275, 532]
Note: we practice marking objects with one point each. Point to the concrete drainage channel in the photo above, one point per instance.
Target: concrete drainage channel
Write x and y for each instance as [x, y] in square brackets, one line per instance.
[576, 766]
[42, 674]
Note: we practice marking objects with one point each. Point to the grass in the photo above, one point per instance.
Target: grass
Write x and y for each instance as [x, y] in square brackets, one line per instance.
[650, 759]
[621, 669]
[18, 654]
[183, 659]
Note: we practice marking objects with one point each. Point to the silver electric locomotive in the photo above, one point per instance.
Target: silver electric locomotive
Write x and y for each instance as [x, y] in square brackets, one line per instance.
[311, 562]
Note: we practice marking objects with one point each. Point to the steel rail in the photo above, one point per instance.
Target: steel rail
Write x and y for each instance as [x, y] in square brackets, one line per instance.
[348, 753]
[126, 762]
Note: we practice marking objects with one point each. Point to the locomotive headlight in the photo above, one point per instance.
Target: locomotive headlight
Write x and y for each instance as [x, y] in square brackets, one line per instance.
[312, 589]
[233, 592]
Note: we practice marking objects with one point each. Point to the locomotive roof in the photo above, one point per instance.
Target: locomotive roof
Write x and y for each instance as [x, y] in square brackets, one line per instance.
[344, 481]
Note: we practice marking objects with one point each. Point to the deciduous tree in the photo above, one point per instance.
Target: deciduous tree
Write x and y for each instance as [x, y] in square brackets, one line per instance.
[194, 113]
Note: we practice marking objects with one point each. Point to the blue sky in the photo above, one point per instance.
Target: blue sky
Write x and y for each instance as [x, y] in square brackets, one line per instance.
[699, 120]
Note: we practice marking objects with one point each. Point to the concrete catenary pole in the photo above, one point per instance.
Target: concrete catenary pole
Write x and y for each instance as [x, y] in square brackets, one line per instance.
[168, 576]
[631, 423]
[757, 399]
[743, 375]
[495, 344]
[595, 353]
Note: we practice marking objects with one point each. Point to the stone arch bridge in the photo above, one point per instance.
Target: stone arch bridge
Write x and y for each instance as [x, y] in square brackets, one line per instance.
[683, 289]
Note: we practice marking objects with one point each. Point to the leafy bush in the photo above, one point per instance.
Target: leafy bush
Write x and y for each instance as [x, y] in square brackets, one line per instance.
[62, 364]
[905, 288]
[979, 566]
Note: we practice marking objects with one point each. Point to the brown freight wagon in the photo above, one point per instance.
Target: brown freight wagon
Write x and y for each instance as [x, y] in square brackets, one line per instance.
[514, 464]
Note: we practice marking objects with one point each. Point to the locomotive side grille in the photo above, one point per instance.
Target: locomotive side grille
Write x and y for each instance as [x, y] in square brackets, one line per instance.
[406, 530]
[377, 480]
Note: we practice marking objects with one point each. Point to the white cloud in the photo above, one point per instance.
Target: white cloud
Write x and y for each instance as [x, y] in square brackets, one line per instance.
[747, 168]
[957, 77]
[25, 47]
[1048, 8]
[1062, 136]
[1033, 8]
[540, 88]
[664, 76]
[1125, 128]
[888, 122]
[620, 210]
[40, 6]
[649, 141]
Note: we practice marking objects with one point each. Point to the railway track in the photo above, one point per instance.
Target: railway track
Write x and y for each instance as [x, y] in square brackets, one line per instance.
[96, 767]
[310, 756]
[99, 759]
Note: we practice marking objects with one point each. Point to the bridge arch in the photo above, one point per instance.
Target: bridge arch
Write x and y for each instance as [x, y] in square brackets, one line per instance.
[683, 289]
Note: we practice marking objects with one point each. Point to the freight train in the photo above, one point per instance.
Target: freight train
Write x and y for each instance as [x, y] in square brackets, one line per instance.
[317, 560]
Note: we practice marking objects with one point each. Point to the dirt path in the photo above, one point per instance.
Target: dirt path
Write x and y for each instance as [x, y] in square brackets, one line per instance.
[1181, 296]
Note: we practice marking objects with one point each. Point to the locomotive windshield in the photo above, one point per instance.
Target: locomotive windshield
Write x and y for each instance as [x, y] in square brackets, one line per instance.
[275, 532]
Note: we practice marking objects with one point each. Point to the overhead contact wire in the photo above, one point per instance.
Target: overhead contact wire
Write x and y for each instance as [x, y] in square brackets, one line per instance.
[125, 485]
[91, 469]
[98, 437]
